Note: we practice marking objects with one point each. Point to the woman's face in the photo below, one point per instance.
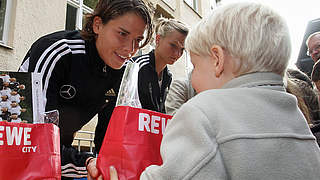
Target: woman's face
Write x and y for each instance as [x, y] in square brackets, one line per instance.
[118, 39]
[170, 48]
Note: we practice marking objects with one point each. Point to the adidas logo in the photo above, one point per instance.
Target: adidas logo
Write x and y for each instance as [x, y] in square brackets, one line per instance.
[110, 93]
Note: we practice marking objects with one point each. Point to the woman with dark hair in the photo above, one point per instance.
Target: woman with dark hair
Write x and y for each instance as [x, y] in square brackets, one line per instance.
[80, 68]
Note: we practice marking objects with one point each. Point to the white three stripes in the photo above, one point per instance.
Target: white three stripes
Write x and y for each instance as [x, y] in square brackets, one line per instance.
[78, 49]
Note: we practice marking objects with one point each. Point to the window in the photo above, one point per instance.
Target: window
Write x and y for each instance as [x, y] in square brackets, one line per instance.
[76, 9]
[215, 4]
[171, 4]
[5, 10]
[192, 3]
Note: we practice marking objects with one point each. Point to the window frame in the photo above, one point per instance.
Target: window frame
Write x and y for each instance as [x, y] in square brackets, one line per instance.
[194, 4]
[81, 10]
[6, 24]
[171, 4]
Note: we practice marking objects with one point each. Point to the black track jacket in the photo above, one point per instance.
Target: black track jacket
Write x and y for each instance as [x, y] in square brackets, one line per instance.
[151, 95]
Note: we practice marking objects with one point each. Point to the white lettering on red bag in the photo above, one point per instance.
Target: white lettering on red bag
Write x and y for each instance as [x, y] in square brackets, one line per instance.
[151, 124]
[29, 149]
[163, 124]
[144, 121]
[14, 134]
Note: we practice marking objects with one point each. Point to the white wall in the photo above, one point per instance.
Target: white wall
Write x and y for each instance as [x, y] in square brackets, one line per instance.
[30, 20]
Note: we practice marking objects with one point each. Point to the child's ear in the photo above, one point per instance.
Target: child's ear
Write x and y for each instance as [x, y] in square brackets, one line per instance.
[97, 21]
[218, 58]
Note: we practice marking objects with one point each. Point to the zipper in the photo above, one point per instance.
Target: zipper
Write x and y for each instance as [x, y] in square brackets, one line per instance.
[163, 99]
[104, 69]
[152, 101]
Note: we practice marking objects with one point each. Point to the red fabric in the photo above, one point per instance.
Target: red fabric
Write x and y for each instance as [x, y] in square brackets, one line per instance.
[29, 151]
[129, 149]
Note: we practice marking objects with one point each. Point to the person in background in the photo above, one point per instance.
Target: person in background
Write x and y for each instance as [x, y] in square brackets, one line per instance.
[313, 44]
[307, 99]
[308, 103]
[79, 67]
[154, 78]
[301, 85]
[180, 92]
[297, 74]
[241, 124]
[315, 75]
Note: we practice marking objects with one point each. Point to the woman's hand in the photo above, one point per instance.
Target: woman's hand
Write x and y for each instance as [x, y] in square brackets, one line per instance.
[93, 172]
[113, 173]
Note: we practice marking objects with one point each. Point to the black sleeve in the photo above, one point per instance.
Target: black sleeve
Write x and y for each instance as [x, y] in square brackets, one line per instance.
[73, 162]
[52, 62]
[51, 59]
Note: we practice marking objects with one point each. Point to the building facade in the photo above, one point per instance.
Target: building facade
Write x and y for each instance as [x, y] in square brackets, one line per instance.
[23, 21]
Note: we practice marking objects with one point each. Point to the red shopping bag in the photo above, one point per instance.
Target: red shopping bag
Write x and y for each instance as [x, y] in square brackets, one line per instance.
[29, 151]
[132, 142]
